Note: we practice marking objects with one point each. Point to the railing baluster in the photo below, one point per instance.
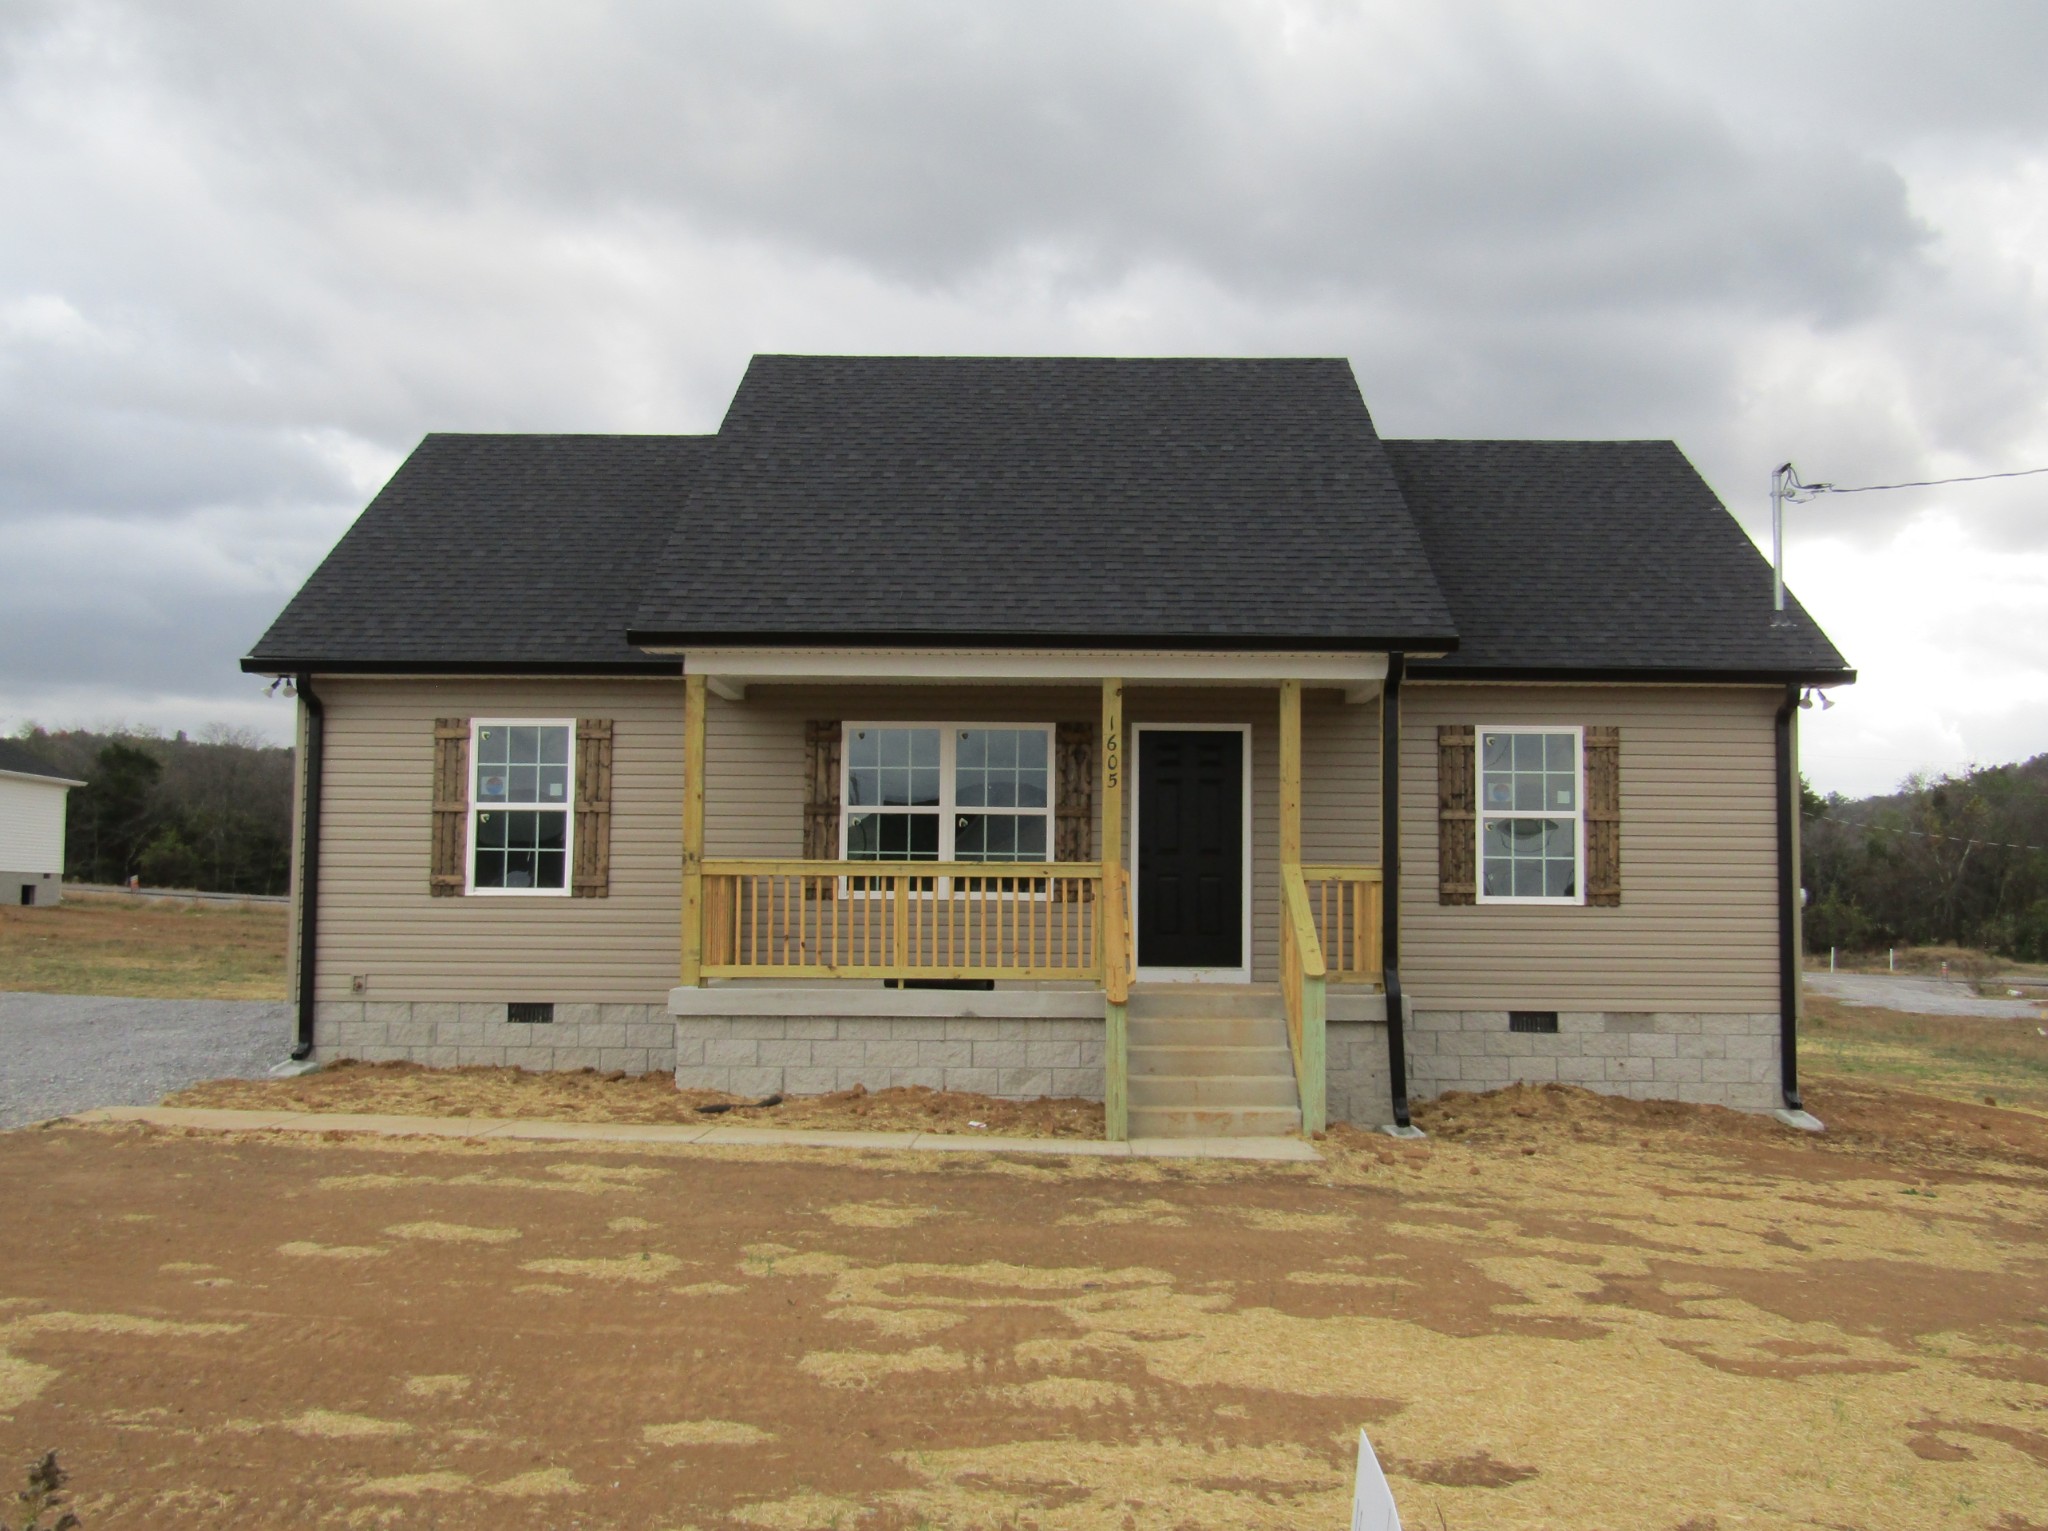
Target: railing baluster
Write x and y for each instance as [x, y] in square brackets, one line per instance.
[967, 919]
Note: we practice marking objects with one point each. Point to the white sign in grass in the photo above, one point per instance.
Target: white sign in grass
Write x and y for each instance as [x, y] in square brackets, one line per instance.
[1372, 1502]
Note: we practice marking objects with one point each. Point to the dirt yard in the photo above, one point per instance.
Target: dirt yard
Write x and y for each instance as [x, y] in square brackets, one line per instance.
[145, 948]
[1560, 1312]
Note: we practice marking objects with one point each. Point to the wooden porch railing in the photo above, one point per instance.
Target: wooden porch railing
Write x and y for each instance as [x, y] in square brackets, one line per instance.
[1345, 901]
[1303, 976]
[926, 919]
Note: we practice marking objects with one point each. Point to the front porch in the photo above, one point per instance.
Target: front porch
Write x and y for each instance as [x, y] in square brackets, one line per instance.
[808, 973]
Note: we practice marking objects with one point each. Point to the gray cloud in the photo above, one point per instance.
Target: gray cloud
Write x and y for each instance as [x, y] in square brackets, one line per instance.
[254, 252]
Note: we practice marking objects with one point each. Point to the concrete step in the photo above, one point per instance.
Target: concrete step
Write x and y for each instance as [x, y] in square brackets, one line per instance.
[1198, 1001]
[1214, 1121]
[1178, 1059]
[1214, 1031]
[1169, 1091]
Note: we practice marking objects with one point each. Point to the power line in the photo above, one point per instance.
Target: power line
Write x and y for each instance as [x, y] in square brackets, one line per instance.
[1920, 483]
[1921, 834]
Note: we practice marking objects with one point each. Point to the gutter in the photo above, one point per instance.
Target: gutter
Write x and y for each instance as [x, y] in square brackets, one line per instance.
[265, 664]
[309, 864]
[1788, 905]
[1390, 889]
[1448, 671]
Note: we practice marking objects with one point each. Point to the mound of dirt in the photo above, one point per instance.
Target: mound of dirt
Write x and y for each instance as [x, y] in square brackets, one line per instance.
[412, 1089]
[1902, 1128]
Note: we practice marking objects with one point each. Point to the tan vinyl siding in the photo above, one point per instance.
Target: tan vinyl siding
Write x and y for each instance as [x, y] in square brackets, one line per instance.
[378, 920]
[1340, 780]
[754, 784]
[376, 917]
[754, 750]
[1696, 930]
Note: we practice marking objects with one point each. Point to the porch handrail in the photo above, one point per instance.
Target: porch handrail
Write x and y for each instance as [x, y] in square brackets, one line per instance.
[1303, 977]
[1345, 901]
[780, 917]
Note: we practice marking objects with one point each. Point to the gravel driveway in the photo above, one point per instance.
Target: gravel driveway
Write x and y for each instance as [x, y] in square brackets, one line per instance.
[66, 1053]
[1917, 996]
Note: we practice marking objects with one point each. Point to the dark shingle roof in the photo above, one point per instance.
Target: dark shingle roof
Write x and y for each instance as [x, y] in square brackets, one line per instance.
[1051, 500]
[509, 551]
[1596, 556]
[1171, 503]
[17, 758]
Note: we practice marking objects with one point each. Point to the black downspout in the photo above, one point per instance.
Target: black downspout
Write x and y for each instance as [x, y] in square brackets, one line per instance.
[1390, 883]
[309, 865]
[1788, 907]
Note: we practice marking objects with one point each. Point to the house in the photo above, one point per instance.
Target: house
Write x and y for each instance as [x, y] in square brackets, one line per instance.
[33, 795]
[1141, 729]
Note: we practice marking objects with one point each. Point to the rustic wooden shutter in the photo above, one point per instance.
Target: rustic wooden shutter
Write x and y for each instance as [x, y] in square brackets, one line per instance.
[451, 807]
[1074, 774]
[1603, 817]
[593, 877]
[1457, 839]
[821, 791]
[1073, 823]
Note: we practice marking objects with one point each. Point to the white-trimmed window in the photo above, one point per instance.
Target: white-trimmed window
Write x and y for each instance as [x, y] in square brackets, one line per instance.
[1532, 823]
[520, 823]
[947, 792]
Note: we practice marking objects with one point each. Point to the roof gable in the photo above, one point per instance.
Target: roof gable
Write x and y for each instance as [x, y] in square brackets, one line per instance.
[1046, 500]
[494, 552]
[1597, 556]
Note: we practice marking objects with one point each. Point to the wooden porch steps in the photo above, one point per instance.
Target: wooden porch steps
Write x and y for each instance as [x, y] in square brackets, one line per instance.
[1210, 1061]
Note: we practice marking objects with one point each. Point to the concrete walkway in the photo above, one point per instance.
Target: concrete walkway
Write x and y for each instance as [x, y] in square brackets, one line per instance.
[710, 1135]
[1911, 994]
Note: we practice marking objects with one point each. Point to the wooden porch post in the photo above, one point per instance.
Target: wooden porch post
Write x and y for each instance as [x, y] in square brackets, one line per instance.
[1290, 773]
[1301, 980]
[1111, 939]
[693, 830]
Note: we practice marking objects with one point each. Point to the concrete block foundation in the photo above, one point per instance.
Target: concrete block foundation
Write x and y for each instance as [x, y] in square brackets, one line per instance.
[635, 1039]
[1013, 1058]
[1708, 1059]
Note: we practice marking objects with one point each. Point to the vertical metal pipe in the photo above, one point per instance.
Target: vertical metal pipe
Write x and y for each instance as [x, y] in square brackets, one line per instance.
[1390, 882]
[1778, 477]
[309, 863]
[1788, 904]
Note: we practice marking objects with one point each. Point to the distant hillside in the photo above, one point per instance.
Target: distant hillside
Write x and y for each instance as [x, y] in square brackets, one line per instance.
[212, 812]
[1958, 860]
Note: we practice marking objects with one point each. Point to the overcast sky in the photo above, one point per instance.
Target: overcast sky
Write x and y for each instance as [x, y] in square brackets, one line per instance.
[252, 252]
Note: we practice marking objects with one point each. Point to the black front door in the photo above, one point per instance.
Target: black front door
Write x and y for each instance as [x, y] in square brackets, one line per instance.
[1190, 849]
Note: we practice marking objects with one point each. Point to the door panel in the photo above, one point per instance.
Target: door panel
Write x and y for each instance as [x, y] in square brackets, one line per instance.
[1190, 873]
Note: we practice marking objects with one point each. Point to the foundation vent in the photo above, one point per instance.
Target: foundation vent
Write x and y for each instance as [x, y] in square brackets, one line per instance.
[1532, 1020]
[539, 1013]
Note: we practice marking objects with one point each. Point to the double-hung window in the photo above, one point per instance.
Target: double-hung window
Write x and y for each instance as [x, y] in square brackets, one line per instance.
[947, 792]
[1532, 839]
[520, 820]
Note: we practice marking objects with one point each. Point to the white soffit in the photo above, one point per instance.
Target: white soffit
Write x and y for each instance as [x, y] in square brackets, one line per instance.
[730, 670]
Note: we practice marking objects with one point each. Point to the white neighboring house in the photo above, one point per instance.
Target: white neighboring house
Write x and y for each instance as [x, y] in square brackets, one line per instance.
[32, 800]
